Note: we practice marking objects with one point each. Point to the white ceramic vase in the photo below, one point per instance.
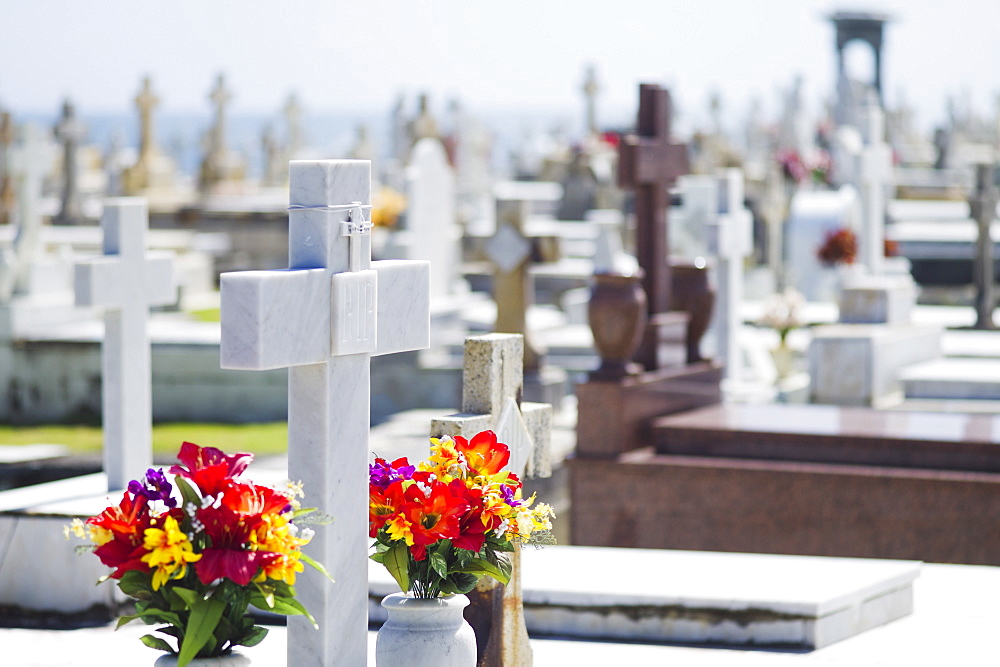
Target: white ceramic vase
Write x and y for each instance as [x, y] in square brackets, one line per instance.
[425, 632]
[234, 659]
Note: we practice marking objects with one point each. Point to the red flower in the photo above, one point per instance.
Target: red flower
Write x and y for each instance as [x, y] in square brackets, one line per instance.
[435, 515]
[484, 454]
[227, 555]
[126, 522]
[253, 499]
[208, 467]
[383, 504]
[471, 531]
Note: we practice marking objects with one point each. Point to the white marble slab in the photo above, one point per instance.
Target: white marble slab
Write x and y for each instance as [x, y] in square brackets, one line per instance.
[703, 597]
[953, 378]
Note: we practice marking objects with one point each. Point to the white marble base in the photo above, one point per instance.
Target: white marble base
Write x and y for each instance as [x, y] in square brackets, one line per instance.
[860, 364]
[960, 379]
[701, 597]
[878, 300]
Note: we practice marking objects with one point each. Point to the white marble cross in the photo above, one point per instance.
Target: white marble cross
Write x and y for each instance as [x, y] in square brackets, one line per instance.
[323, 321]
[125, 282]
[730, 239]
[28, 163]
[875, 176]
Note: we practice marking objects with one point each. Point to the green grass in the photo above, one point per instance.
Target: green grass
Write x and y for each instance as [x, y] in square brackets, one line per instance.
[206, 315]
[261, 439]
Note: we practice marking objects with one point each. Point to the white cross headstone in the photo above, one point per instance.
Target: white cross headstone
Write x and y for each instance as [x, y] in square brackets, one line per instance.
[27, 163]
[432, 227]
[125, 281]
[323, 319]
[875, 175]
[730, 239]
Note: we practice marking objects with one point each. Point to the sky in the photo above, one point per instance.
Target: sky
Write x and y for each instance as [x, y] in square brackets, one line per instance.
[516, 55]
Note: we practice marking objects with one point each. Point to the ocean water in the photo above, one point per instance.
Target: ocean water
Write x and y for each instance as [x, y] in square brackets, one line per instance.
[325, 134]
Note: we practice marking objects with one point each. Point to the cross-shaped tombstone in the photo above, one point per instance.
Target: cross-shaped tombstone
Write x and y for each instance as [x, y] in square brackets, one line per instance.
[983, 206]
[27, 169]
[648, 163]
[293, 118]
[6, 182]
[590, 89]
[70, 131]
[146, 101]
[323, 319]
[125, 281]
[512, 249]
[875, 175]
[492, 382]
[730, 240]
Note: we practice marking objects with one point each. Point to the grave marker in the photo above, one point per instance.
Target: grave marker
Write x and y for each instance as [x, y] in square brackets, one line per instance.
[492, 383]
[125, 282]
[323, 319]
[6, 182]
[70, 132]
[983, 206]
[875, 175]
[27, 169]
[649, 162]
[433, 233]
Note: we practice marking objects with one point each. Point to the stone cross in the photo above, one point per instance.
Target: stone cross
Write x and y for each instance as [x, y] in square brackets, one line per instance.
[71, 132]
[648, 163]
[730, 240]
[27, 162]
[590, 90]
[293, 118]
[983, 206]
[220, 97]
[6, 182]
[146, 101]
[124, 282]
[431, 223]
[323, 319]
[875, 175]
[491, 390]
[513, 250]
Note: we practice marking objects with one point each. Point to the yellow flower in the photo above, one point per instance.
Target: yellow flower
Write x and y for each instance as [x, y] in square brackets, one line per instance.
[278, 535]
[169, 552]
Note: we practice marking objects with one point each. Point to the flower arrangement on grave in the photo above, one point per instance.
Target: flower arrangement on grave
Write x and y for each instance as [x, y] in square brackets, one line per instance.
[387, 206]
[195, 553]
[441, 525]
[783, 312]
[839, 247]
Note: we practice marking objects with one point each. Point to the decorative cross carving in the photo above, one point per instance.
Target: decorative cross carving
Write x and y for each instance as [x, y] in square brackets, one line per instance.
[323, 321]
[649, 162]
[125, 282]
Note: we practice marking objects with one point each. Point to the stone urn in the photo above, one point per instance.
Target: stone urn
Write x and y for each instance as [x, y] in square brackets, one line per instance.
[425, 632]
[691, 291]
[617, 316]
[233, 659]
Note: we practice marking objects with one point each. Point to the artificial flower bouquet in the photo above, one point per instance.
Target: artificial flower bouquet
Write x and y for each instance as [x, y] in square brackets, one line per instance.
[783, 312]
[839, 247]
[194, 560]
[441, 525]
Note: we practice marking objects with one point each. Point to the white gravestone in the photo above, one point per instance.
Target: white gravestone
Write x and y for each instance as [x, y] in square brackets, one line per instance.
[730, 240]
[125, 282]
[323, 319]
[432, 230]
[27, 162]
[875, 174]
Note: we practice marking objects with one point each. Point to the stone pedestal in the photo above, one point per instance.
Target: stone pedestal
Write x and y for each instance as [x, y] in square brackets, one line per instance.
[860, 364]
[878, 300]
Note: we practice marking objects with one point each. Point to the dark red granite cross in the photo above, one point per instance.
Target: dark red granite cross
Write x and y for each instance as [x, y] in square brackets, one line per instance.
[648, 163]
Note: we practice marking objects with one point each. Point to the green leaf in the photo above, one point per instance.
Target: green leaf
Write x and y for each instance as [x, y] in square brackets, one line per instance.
[439, 563]
[397, 561]
[136, 584]
[316, 564]
[254, 637]
[287, 606]
[205, 615]
[154, 615]
[479, 566]
[189, 596]
[188, 494]
[157, 643]
[126, 619]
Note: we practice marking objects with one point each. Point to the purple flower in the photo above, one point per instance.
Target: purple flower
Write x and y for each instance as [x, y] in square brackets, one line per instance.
[381, 473]
[154, 487]
[508, 496]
